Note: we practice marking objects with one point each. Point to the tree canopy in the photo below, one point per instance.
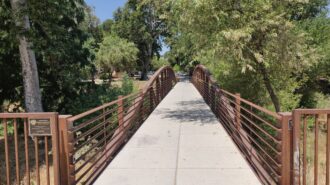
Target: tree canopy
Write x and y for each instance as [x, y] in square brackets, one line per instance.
[274, 53]
[116, 54]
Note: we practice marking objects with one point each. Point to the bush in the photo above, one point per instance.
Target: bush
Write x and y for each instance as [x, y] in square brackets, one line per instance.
[96, 96]
[127, 85]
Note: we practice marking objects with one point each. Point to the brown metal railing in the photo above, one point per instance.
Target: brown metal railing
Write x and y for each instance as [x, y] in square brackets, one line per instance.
[282, 148]
[28, 160]
[94, 137]
[257, 132]
[311, 144]
[78, 147]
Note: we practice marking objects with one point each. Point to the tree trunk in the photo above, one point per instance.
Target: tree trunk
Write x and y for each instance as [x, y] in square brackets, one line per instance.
[145, 69]
[32, 92]
[147, 61]
[110, 77]
[269, 88]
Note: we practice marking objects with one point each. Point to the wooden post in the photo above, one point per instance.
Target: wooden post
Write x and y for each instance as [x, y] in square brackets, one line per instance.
[238, 111]
[121, 113]
[286, 148]
[63, 149]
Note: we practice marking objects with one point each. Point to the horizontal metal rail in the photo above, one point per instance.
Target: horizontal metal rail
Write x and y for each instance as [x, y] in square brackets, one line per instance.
[257, 131]
[95, 137]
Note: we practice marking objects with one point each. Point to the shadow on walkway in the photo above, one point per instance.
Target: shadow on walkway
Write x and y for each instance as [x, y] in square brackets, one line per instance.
[188, 111]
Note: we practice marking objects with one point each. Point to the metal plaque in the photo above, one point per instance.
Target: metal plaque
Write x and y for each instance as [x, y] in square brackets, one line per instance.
[40, 127]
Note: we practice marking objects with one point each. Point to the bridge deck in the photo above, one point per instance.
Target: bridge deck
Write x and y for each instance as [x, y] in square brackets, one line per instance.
[181, 143]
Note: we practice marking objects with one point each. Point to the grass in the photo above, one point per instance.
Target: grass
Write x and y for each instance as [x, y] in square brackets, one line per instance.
[21, 161]
[138, 84]
[310, 150]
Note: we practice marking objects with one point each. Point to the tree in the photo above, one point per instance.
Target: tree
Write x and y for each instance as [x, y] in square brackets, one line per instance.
[59, 33]
[32, 92]
[106, 26]
[116, 54]
[140, 23]
[258, 36]
[10, 65]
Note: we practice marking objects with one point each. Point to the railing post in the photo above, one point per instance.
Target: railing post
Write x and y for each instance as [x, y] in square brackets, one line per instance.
[142, 105]
[207, 91]
[151, 103]
[296, 147]
[55, 148]
[165, 83]
[63, 149]
[157, 90]
[286, 148]
[212, 100]
[161, 86]
[120, 113]
[70, 147]
[238, 111]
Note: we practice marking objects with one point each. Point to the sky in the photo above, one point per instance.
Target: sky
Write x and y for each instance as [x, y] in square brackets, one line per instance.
[104, 10]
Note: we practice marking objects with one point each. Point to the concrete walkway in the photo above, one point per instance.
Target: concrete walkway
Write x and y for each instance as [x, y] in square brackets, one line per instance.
[181, 143]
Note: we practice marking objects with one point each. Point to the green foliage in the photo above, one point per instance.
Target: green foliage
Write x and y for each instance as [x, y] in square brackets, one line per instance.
[10, 66]
[253, 47]
[176, 68]
[322, 101]
[318, 75]
[89, 98]
[159, 62]
[116, 54]
[127, 85]
[139, 22]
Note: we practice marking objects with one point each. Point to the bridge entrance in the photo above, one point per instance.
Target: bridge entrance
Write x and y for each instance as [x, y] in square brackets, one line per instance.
[199, 134]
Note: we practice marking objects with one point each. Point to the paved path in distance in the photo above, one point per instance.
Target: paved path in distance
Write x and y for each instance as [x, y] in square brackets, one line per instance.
[181, 143]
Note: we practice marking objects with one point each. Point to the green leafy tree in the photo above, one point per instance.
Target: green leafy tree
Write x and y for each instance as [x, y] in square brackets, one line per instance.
[116, 54]
[10, 65]
[58, 33]
[140, 23]
[256, 37]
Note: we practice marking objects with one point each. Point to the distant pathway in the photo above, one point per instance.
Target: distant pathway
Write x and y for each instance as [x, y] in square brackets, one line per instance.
[181, 143]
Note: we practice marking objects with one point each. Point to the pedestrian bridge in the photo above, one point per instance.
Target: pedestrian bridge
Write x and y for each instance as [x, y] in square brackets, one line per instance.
[181, 143]
[173, 132]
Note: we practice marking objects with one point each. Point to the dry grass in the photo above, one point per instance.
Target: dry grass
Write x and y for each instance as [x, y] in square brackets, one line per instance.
[32, 165]
[310, 149]
[21, 162]
[138, 84]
